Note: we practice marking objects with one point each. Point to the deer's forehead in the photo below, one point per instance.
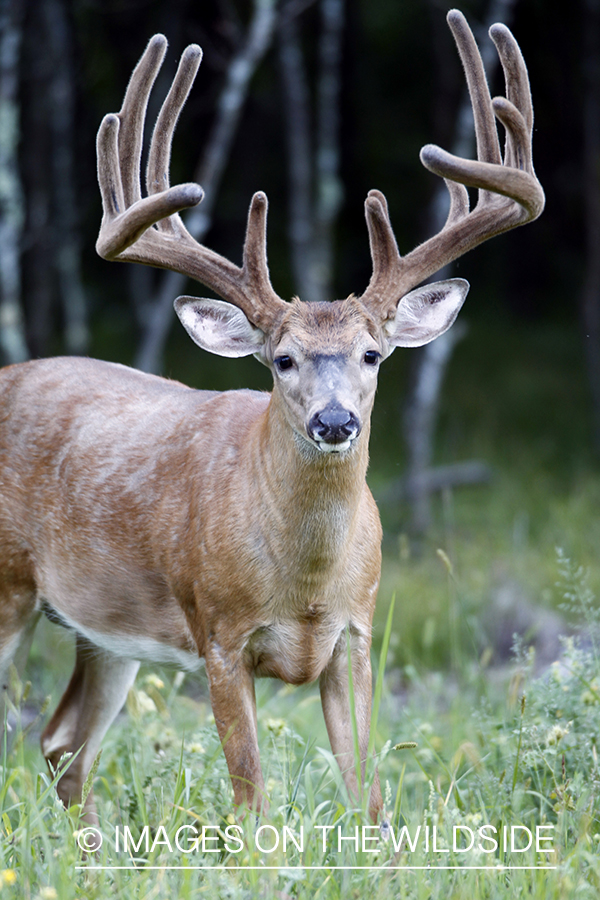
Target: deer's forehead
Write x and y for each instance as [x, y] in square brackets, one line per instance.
[326, 328]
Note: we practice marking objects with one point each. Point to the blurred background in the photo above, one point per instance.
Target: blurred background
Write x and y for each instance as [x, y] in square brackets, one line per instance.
[486, 449]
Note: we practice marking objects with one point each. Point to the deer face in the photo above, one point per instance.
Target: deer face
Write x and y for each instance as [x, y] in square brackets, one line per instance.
[325, 359]
[325, 356]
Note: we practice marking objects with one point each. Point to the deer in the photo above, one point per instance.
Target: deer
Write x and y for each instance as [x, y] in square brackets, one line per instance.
[167, 524]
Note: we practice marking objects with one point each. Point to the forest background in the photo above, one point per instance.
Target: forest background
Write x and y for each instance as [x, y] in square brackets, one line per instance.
[484, 452]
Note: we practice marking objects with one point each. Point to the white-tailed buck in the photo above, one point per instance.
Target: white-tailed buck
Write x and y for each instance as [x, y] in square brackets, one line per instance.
[168, 524]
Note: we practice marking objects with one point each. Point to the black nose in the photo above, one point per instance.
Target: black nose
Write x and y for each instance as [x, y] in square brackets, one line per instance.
[333, 425]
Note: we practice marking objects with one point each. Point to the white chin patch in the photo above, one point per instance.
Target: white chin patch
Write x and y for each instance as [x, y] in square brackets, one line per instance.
[333, 448]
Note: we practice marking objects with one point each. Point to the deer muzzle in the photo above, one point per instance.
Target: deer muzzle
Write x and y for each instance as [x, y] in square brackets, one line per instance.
[333, 428]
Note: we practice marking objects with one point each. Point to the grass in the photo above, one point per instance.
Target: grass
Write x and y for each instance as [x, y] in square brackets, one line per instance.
[517, 755]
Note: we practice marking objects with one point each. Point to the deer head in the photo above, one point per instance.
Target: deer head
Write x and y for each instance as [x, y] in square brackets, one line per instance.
[324, 357]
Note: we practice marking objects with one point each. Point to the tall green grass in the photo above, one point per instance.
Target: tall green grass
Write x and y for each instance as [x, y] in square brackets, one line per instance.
[453, 752]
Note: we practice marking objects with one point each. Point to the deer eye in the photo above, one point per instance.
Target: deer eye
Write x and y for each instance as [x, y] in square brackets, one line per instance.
[284, 362]
[371, 357]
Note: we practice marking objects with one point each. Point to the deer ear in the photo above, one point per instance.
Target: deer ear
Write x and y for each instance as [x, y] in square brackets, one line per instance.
[219, 327]
[424, 314]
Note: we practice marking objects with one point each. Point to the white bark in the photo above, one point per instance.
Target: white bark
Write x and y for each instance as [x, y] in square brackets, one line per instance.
[12, 326]
[315, 189]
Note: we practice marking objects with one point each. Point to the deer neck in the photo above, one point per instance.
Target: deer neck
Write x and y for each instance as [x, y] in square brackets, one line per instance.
[313, 497]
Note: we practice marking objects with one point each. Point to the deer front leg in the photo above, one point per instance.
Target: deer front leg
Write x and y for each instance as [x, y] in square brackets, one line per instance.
[335, 698]
[231, 684]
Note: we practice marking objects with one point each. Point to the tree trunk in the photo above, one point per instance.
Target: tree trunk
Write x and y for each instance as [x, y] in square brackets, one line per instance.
[315, 190]
[329, 185]
[12, 332]
[300, 161]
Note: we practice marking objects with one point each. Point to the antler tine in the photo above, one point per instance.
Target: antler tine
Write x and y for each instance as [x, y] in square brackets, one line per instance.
[126, 232]
[515, 71]
[486, 133]
[384, 249]
[254, 265]
[518, 94]
[509, 193]
[248, 287]
[159, 158]
[133, 115]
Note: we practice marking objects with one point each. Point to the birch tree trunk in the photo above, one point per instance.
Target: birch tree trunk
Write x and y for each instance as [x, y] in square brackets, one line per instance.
[298, 135]
[329, 185]
[12, 327]
[315, 189]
